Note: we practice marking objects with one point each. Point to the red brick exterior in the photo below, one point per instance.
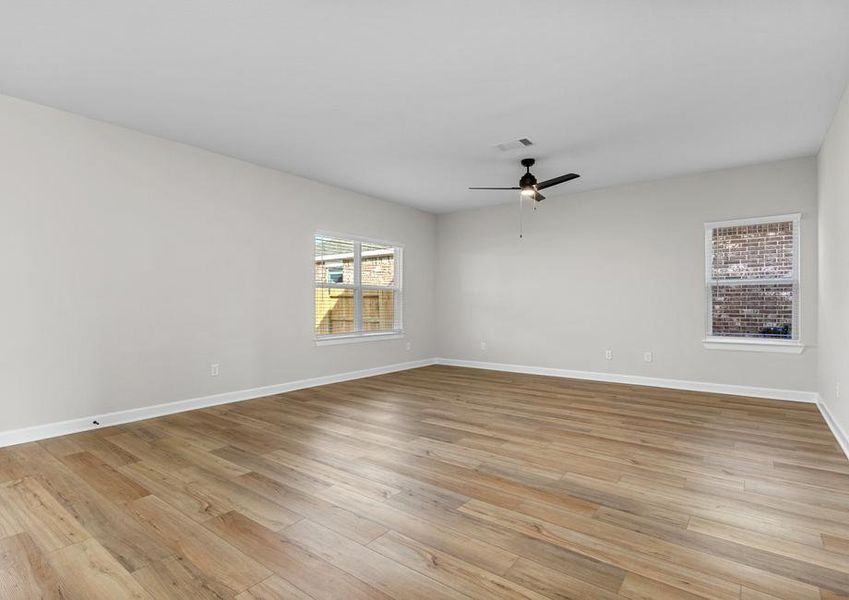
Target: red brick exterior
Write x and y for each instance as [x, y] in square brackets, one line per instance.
[753, 253]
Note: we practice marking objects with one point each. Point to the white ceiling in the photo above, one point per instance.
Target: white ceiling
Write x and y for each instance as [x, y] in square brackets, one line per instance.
[406, 100]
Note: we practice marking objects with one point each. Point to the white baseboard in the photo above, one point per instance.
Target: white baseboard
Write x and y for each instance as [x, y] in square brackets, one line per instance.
[836, 429]
[677, 384]
[40, 432]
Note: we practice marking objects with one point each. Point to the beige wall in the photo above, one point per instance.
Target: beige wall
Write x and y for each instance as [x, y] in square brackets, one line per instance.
[129, 264]
[834, 266]
[622, 269]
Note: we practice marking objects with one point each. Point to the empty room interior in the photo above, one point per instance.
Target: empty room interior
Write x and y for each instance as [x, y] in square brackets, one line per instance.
[400, 300]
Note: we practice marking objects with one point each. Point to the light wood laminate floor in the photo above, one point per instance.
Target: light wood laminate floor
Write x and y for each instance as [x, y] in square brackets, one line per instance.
[437, 482]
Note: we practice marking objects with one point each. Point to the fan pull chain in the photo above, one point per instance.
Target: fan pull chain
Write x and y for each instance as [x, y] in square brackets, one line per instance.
[520, 217]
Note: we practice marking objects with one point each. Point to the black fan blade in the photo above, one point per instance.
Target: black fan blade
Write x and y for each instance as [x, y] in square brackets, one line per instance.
[480, 188]
[538, 197]
[562, 179]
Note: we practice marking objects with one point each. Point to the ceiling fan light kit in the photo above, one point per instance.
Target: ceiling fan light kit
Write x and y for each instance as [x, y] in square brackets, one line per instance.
[528, 183]
[529, 187]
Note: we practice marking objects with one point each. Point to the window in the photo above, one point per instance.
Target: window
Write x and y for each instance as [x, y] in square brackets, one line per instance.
[752, 276]
[335, 273]
[357, 288]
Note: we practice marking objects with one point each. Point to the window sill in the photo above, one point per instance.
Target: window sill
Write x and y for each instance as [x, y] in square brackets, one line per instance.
[753, 345]
[333, 340]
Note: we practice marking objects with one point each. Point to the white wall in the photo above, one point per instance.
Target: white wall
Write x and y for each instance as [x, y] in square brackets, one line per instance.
[620, 268]
[834, 266]
[129, 263]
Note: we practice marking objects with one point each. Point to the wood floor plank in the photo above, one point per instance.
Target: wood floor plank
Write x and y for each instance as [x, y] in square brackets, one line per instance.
[292, 478]
[474, 551]
[175, 578]
[98, 443]
[835, 544]
[61, 446]
[754, 566]
[331, 474]
[391, 577]
[808, 554]
[661, 566]
[176, 489]
[350, 524]
[103, 478]
[437, 482]
[303, 569]
[274, 588]
[636, 587]
[124, 538]
[445, 514]
[451, 571]
[87, 570]
[235, 496]
[199, 457]
[40, 515]
[10, 523]
[148, 451]
[750, 594]
[25, 571]
[555, 583]
[217, 559]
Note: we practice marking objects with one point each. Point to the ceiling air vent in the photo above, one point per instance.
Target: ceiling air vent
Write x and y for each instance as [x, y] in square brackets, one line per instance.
[515, 145]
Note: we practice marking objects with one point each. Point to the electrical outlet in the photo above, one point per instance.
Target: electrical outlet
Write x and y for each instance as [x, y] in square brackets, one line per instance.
[608, 354]
[647, 356]
[213, 369]
[483, 345]
[409, 346]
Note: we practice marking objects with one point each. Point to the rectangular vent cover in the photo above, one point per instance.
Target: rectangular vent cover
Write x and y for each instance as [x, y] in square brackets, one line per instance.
[515, 145]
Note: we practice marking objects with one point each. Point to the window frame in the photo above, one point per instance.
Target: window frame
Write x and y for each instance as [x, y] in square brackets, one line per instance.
[793, 345]
[397, 332]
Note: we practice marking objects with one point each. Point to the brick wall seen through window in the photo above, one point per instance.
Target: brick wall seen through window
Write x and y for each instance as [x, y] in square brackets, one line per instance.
[752, 279]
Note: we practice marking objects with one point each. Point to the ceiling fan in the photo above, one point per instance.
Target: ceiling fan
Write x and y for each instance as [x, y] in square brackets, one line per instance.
[528, 185]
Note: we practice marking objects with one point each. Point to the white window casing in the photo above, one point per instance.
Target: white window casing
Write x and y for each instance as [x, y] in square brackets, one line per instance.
[375, 248]
[753, 342]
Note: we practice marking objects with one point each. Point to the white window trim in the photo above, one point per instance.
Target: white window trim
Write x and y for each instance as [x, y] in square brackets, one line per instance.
[747, 344]
[356, 338]
[753, 344]
[364, 336]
